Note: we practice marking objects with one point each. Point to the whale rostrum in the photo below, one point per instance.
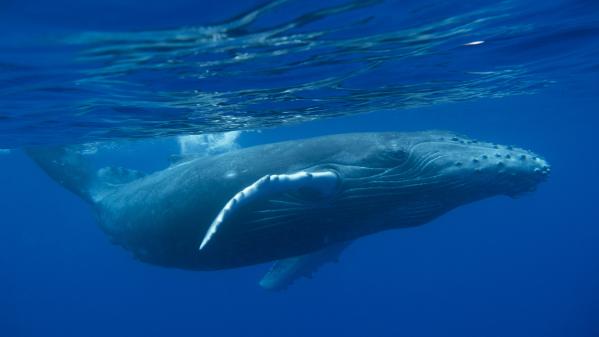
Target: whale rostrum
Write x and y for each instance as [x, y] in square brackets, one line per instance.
[298, 202]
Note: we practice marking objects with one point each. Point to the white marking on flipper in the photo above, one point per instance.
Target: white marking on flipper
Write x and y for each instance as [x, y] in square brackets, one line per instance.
[325, 182]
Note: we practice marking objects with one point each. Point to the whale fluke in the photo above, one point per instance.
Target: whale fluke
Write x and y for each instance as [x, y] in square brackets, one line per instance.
[324, 183]
[68, 166]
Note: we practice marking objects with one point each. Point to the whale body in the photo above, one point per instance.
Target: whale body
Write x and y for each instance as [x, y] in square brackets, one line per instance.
[299, 203]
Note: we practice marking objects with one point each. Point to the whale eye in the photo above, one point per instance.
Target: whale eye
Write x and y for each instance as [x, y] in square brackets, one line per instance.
[398, 155]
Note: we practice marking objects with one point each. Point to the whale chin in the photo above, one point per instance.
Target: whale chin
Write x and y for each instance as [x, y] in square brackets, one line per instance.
[521, 193]
[529, 182]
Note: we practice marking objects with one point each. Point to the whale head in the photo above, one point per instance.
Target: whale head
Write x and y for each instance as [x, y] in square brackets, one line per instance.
[480, 169]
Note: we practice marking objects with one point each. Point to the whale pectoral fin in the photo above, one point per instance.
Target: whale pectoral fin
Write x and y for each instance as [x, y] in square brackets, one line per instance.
[322, 182]
[284, 272]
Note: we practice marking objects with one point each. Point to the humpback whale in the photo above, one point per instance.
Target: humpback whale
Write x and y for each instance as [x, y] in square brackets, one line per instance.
[298, 203]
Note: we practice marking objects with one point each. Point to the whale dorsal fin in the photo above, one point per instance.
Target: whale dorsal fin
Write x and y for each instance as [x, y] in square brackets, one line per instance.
[322, 182]
[116, 175]
[284, 272]
[111, 177]
[175, 159]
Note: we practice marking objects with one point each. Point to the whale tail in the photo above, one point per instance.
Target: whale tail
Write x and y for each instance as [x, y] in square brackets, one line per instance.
[69, 167]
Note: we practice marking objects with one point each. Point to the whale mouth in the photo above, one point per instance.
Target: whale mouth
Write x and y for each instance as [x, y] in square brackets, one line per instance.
[530, 183]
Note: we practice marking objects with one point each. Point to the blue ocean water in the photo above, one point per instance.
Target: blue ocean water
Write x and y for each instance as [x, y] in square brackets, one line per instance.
[128, 79]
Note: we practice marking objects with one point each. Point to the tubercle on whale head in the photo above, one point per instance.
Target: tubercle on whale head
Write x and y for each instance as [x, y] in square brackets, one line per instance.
[487, 167]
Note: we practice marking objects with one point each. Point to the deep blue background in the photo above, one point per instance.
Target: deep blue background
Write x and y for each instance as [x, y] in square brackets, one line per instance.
[501, 267]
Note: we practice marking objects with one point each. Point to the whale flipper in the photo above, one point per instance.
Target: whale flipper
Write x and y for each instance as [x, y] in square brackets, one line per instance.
[284, 272]
[323, 182]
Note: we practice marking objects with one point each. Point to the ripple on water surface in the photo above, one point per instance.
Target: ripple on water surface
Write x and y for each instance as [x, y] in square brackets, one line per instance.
[287, 61]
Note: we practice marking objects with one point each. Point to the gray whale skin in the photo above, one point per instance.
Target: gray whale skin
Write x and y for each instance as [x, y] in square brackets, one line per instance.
[299, 202]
